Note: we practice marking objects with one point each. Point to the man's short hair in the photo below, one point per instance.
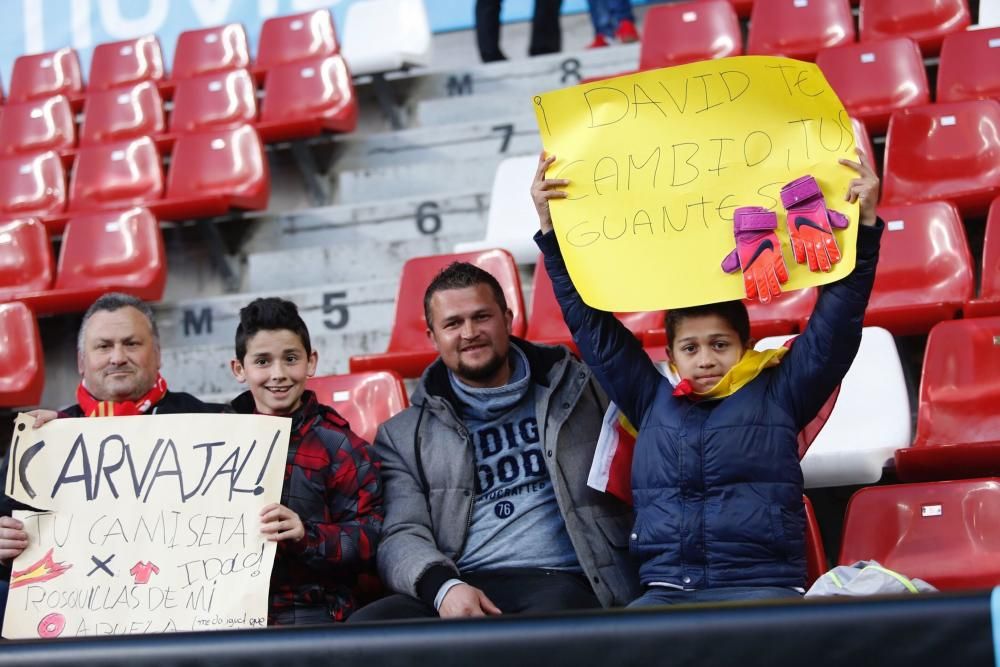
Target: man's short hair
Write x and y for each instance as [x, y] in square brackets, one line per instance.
[269, 314]
[111, 302]
[733, 312]
[459, 275]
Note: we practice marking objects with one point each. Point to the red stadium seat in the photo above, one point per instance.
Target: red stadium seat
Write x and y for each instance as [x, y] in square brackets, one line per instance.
[209, 50]
[121, 114]
[864, 142]
[213, 171]
[32, 185]
[924, 271]
[131, 61]
[22, 368]
[946, 533]
[970, 66]
[875, 79]
[944, 152]
[114, 251]
[304, 98]
[217, 100]
[545, 319]
[37, 126]
[958, 423]
[410, 351]
[686, 32]
[924, 21]
[45, 75]
[116, 175]
[816, 563]
[25, 258]
[798, 28]
[988, 302]
[285, 39]
[743, 7]
[365, 400]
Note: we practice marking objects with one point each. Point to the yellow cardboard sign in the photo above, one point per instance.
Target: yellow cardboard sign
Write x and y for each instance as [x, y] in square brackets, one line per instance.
[659, 160]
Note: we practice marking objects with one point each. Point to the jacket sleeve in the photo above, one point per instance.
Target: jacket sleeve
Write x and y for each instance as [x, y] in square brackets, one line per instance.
[821, 356]
[409, 560]
[354, 505]
[610, 350]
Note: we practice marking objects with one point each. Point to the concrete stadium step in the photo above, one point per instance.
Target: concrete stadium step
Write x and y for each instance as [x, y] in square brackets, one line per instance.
[517, 133]
[430, 179]
[203, 370]
[519, 77]
[341, 308]
[453, 217]
[439, 111]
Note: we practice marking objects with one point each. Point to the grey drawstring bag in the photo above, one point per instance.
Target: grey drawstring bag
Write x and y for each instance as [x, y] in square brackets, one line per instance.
[866, 577]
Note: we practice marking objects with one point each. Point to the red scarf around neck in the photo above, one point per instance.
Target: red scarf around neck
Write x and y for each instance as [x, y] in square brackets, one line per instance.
[94, 408]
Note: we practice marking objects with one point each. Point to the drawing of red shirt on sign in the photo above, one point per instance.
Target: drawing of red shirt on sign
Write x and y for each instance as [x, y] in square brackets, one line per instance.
[142, 571]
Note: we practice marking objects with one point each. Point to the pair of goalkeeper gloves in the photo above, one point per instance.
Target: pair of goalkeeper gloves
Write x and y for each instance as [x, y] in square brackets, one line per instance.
[810, 230]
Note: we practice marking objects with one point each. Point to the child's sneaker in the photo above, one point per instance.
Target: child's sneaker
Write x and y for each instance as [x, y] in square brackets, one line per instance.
[599, 41]
[626, 32]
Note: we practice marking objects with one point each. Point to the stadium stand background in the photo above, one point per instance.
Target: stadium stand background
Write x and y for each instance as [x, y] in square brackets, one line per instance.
[347, 210]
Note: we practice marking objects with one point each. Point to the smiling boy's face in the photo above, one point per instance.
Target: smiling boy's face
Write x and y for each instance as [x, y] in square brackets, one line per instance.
[275, 368]
[704, 348]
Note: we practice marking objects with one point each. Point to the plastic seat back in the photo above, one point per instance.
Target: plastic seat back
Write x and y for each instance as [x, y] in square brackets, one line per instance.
[308, 96]
[25, 258]
[874, 79]
[946, 533]
[924, 271]
[686, 32]
[37, 126]
[365, 400]
[227, 162]
[286, 39]
[988, 302]
[216, 49]
[386, 35]
[114, 251]
[944, 152]
[799, 28]
[116, 175]
[22, 367]
[924, 21]
[121, 114]
[970, 66]
[44, 75]
[743, 8]
[409, 349]
[124, 63]
[870, 419]
[216, 100]
[32, 185]
[960, 384]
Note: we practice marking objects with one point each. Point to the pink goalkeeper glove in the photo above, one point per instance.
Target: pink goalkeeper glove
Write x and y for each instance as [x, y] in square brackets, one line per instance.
[810, 224]
[758, 253]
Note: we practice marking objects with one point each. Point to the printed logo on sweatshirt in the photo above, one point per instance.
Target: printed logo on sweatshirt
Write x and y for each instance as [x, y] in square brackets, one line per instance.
[508, 455]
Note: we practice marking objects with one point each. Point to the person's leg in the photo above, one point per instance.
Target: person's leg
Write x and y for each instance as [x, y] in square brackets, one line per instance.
[546, 35]
[519, 591]
[744, 593]
[393, 608]
[600, 17]
[488, 30]
[314, 615]
[618, 11]
[658, 596]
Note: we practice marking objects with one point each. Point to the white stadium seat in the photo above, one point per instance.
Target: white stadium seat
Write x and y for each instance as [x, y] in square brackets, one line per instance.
[386, 35]
[512, 220]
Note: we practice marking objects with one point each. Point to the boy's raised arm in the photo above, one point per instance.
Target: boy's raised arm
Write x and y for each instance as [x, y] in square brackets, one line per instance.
[614, 355]
[822, 355]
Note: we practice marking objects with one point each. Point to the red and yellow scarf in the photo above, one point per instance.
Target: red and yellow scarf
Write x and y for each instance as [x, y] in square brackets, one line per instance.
[95, 408]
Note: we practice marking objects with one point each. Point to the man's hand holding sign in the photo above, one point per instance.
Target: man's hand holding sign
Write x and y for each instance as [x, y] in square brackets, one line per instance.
[666, 171]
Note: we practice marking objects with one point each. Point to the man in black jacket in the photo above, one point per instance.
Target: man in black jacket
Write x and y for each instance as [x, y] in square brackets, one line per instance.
[118, 357]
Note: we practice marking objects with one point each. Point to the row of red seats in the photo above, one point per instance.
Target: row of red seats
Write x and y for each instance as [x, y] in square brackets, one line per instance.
[284, 39]
[210, 172]
[302, 99]
[684, 32]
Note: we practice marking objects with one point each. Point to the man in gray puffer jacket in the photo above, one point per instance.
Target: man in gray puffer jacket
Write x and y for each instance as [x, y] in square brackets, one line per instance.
[485, 474]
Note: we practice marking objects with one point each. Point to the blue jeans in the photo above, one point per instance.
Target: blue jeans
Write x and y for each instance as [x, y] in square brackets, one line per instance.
[661, 595]
[607, 14]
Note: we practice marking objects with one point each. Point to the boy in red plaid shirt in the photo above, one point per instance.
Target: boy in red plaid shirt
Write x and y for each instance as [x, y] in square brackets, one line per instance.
[330, 516]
